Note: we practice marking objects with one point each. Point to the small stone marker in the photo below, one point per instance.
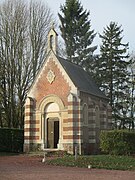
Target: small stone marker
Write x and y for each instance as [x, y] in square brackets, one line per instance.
[89, 166]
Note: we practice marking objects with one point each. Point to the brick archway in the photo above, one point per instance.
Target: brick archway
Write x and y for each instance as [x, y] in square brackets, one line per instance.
[51, 101]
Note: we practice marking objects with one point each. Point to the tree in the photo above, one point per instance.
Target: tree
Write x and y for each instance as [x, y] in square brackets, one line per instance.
[131, 85]
[112, 70]
[40, 19]
[23, 31]
[75, 28]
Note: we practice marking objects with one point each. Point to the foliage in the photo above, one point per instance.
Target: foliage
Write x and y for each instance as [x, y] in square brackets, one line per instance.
[117, 142]
[8, 154]
[131, 97]
[97, 161]
[23, 36]
[112, 71]
[11, 140]
[76, 32]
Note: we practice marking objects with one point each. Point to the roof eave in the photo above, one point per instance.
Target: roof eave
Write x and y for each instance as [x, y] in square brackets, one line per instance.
[100, 96]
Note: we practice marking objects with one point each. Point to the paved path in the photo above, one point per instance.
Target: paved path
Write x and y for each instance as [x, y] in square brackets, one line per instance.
[31, 168]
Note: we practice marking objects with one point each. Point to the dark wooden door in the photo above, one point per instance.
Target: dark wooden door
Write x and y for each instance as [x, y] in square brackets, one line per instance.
[52, 133]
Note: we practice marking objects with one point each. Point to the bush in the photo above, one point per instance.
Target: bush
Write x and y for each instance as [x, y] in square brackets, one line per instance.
[11, 140]
[117, 142]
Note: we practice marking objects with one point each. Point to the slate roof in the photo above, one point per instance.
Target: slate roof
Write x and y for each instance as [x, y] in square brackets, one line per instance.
[81, 78]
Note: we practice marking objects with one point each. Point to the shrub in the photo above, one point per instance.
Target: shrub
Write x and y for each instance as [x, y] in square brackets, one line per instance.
[117, 142]
[11, 140]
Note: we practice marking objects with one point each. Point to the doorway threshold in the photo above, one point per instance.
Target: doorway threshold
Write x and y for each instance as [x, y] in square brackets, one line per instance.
[50, 150]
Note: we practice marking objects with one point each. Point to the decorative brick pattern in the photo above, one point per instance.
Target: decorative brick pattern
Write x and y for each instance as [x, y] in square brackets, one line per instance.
[31, 138]
[32, 122]
[31, 129]
[59, 86]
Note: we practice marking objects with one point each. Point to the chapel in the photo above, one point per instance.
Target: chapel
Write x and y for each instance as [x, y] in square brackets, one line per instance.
[64, 108]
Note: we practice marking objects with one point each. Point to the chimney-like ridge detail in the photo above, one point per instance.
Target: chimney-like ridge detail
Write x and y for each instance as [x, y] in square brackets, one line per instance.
[52, 40]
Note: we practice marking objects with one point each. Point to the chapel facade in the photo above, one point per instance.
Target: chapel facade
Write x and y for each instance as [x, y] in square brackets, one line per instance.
[64, 107]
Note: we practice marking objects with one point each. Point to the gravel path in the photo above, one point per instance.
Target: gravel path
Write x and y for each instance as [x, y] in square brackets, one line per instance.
[31, 168]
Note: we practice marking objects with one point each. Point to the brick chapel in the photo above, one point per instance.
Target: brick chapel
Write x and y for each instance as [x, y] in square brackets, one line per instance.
[64, 107]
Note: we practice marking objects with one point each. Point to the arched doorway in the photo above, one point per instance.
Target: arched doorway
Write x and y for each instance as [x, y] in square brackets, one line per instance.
[52, 125]
[51, 108]
[52, 132]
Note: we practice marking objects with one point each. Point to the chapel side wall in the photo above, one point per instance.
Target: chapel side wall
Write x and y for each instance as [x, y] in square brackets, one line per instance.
[99, 118]
[109, 117]
[88, 129]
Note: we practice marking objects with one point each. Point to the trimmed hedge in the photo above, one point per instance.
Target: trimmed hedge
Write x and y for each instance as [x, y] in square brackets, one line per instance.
[11, 140]
[117, 142]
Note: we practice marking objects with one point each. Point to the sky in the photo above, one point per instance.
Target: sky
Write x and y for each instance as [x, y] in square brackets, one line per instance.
[102, 12]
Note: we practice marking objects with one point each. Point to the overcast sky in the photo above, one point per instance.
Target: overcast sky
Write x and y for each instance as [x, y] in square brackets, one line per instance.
[102, 12]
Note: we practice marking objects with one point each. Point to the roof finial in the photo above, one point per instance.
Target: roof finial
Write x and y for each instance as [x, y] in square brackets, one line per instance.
[52, 25]
[52, 39]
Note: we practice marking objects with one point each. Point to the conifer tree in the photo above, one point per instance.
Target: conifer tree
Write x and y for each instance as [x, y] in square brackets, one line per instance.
[76, 32]
[131, 96]
[113, 70]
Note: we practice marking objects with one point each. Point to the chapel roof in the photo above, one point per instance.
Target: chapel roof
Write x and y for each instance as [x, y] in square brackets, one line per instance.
[81, 79]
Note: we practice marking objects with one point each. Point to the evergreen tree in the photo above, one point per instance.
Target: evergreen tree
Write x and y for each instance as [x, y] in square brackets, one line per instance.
[113, 72]
[75, 28]
[131, 86]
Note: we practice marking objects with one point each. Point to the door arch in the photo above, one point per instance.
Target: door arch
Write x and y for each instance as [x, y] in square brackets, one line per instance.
[50, 107]
[52, 125]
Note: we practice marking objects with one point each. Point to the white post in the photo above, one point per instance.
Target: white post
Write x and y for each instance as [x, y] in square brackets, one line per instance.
[76, 152]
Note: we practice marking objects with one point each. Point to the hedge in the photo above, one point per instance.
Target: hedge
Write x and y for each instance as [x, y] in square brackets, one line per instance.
[117, 142]
[11, 140]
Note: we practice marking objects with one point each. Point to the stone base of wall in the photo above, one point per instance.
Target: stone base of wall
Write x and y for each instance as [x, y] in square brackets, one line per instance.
[26, 148]
[97, 149]
[90, 148]
[31, 147]
[70, 148]
[82, 149]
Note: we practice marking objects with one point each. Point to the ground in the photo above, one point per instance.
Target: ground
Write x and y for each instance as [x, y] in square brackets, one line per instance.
[25, 167]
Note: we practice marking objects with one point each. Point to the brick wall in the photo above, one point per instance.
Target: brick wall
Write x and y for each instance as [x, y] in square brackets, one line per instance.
[91, 132]
[59, 86]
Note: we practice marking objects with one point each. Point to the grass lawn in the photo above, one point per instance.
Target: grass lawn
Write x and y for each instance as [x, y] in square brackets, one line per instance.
[96, 161]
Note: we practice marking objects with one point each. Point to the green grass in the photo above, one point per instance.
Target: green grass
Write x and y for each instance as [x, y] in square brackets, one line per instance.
[97, 161]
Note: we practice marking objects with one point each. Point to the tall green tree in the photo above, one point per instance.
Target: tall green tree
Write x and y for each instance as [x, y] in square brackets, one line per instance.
[112, 70]
[76, 32]
[131, 96]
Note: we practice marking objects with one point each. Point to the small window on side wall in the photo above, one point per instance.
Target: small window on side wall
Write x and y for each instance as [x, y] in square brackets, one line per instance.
[97, 114]
[85, 114]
